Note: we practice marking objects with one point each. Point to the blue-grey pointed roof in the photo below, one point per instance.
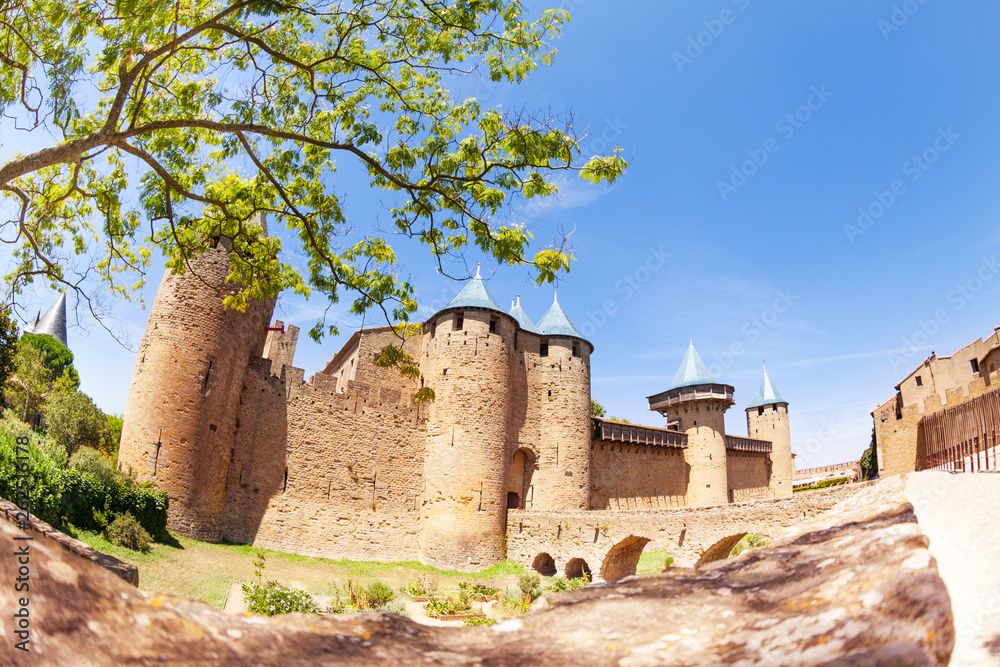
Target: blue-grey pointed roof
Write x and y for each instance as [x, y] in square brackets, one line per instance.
[767, 395]
[53, 322]
[692, 370]
[475, 294]
[522, 317]
[555, 323]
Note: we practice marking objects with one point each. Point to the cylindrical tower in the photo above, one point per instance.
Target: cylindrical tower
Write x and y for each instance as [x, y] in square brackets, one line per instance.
[698, 406]
[181, 411]
[464, 513]
[767, 419]
[560, 384]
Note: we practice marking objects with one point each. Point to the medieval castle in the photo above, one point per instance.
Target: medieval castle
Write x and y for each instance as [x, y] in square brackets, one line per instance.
[347, 465]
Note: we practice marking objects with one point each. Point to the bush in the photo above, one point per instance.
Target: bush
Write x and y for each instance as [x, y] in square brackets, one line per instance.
[379, 594]
[449, 606]
[82, 494]
[530, 585]
[56, 357]
[126, 532]
[109, 446]
[477, 591]
[556, 584]
[479, 620]
[44, 475]
[750, 541]
[425, 586]
[89, 460]
[273, 599]
[72, 420]
[668, 561]
[512, 604]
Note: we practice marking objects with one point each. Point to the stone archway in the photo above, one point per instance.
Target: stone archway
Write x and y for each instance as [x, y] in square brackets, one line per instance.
[622, 559]
[544, 565]
[519, 489]
[720, 550]
[576, 568]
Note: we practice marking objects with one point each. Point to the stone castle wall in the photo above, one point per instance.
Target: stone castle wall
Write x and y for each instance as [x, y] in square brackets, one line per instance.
[628, 476]
[344, 479]
[749, 475]
[770, 422]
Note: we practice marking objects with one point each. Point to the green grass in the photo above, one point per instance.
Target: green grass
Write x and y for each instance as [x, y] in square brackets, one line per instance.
[203, 570]
[651, 562]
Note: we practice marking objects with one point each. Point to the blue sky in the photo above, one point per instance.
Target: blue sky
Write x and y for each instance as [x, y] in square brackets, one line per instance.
[756, 131]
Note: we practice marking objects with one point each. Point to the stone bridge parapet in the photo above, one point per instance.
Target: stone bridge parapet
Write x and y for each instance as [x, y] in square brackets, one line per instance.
[609, 542]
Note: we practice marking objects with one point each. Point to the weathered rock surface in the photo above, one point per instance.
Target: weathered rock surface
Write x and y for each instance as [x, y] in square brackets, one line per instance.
[854, 587]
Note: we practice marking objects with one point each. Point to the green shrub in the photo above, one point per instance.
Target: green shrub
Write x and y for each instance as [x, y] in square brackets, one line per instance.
[450, 605]
[477, 591]
[45, 493]
[750, 541]
[668, 561]
[396, 607]
[556, 584]
[379, 594]
[72, 420]
[530, 585]
[512, 604]
[273, 599]
[479, 620]
[89, 460]
[126, 532]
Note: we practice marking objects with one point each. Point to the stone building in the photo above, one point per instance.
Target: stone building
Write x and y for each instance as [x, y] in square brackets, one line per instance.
[945, 413]
[348, 465]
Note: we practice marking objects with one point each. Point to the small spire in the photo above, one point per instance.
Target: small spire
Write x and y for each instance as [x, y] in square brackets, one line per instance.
[555, 296]
[512, 303]
[477, 271]
[519, 300]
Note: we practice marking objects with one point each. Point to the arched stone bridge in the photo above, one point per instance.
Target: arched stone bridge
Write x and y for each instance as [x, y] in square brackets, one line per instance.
[607, 543]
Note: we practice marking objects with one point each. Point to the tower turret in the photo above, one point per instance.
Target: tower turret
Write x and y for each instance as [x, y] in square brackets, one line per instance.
[463, 518]
[767, 419]
[560, 387]
[180, 418]
[698, 404]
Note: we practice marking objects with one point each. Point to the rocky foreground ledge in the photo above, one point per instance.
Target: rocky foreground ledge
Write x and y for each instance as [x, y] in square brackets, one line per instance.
[854, 586]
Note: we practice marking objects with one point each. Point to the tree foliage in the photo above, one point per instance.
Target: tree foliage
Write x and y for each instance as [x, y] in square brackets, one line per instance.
[869, 460]
[8, 346]
[72, 420]
[177, 124]
[596, 409]
[56, 356]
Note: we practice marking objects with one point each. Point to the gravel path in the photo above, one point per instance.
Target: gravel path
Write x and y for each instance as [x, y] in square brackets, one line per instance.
[959, 513]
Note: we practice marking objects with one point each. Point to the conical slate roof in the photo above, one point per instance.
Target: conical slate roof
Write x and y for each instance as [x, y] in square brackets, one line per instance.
[692, 370]
[555, 323]
[522, 317]
[53, 322]
[474, 295]
[768, 393]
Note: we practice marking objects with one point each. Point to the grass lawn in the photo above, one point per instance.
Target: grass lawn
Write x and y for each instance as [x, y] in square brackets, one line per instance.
[651, 562]
[203, 571]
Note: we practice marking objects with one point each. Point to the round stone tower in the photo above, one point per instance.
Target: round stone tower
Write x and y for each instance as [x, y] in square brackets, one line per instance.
[698, 405]
[464, 513]
[561, 385]
[767, 419]
[181, 411]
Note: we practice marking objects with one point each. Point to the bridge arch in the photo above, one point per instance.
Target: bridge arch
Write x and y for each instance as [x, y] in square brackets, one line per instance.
[544, 565]
[577, 567]
[622, 559]
[720, 550]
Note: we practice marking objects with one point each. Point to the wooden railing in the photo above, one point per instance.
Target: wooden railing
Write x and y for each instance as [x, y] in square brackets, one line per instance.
[738, 444]
[605, 429]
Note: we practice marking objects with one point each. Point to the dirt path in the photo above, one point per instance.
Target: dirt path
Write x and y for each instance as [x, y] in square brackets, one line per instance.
[960, 513]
